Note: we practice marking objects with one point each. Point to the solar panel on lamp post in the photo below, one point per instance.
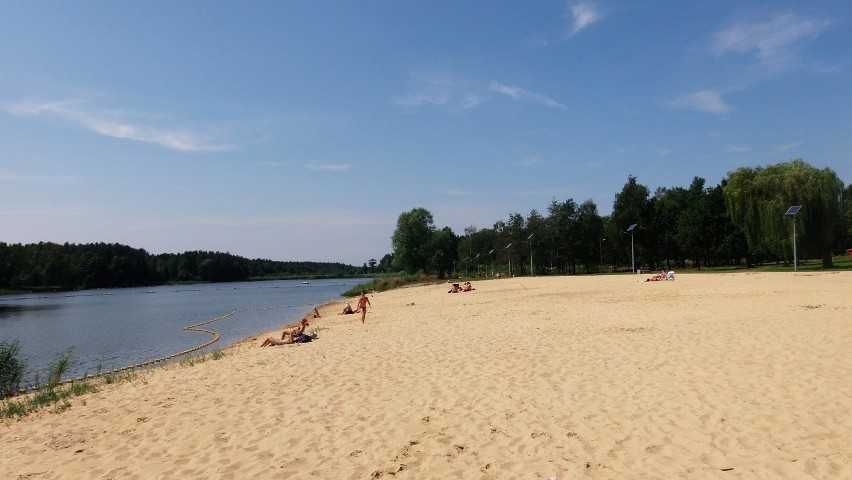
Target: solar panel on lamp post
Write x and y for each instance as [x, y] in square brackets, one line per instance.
[791, 212]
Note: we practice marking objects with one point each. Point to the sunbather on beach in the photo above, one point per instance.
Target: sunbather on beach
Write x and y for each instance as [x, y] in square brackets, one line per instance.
[347, 310]
[294, 332]
[656, 278]
[467, 287]
[274, 341]
[316, 313]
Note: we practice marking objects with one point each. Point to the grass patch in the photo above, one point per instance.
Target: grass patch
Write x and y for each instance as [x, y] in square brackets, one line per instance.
[390, 282]
[12, 367]
[191, 360]
[56, 397]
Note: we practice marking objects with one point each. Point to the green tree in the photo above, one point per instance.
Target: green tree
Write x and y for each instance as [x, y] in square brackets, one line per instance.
[444, 252]
[758, 197]
[631, 206]
[411, 240]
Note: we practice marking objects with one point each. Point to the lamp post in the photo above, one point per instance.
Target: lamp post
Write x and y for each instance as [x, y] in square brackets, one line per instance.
[600, 249]
[791, 212]
[492, 263]
[630, 230]
[529, 239]
[509, 248]
[477, 264]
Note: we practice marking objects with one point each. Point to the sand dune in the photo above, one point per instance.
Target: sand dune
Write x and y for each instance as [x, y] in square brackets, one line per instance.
[711, 376]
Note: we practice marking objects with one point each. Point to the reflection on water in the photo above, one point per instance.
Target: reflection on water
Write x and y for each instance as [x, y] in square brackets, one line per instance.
[108, 329]
[13, 310]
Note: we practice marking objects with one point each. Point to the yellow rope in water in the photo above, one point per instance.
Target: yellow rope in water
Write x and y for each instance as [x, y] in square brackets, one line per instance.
[193, 328]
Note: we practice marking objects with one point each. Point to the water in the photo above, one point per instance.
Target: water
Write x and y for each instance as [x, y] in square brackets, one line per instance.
[115, 328]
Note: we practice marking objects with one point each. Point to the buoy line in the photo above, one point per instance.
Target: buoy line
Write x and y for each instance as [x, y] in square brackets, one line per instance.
[193, 328]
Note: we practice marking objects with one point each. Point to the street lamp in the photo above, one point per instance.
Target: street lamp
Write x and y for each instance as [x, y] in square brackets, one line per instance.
[477, 264]
[791, 212]
[492, 263]
[529, 239]
[600, 248]
[630, 231]
[509, 248]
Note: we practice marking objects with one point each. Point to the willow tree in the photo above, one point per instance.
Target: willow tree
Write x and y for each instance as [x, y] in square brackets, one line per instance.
[757, 198]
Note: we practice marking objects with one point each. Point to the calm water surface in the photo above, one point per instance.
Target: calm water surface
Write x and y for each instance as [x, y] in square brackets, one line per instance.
[114, 328]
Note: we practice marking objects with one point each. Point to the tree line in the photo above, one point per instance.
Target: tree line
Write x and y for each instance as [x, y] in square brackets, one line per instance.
[740, 221]
[51, 266]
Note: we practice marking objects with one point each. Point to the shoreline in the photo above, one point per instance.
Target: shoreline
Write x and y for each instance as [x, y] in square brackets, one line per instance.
[708, 376]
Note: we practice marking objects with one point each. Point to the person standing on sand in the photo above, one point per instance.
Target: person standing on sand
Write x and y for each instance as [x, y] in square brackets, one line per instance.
[362, 305]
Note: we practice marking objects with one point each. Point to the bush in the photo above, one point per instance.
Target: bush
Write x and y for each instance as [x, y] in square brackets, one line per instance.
[12, 368]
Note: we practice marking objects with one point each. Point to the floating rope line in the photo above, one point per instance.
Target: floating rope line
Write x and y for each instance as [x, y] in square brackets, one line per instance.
[193, 328]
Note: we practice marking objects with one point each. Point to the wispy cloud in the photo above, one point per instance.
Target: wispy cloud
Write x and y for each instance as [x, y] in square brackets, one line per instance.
[439, 90]
[788, 146]
[328, 167]
[531, 161]
[453, 93]
[117, 124]
[773, 43]
[737, 149]
[709, 101]
[583, 15]
[521, 94]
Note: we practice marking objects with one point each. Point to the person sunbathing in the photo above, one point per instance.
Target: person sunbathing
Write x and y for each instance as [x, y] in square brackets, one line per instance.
[656, 278]
[274, 341]
[347, 310]
[295, 335]
[298, 330]
[467, 287]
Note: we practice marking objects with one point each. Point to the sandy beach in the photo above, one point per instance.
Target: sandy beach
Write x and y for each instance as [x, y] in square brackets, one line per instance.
[720, 376]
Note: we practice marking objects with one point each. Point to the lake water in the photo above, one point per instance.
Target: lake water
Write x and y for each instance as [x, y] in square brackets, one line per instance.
[115, 328]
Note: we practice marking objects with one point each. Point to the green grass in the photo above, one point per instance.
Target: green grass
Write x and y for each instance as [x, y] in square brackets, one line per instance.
[842, 262]
[390, 282]
[12, 367]
[57, 397]
[191, 360]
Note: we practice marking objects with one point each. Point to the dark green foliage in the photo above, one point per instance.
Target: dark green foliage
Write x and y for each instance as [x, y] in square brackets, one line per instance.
[50, 266]
[12, 367]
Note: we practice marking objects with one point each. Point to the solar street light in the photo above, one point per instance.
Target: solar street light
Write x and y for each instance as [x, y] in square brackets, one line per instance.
[630, 230]
[791, 212]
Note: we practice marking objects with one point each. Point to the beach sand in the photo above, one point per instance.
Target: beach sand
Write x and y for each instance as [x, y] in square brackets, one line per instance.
[741, 375]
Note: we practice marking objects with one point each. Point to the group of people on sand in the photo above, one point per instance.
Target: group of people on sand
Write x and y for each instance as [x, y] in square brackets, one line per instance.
[663, 275]
[297, 334]
[461, 288]
[363, 302]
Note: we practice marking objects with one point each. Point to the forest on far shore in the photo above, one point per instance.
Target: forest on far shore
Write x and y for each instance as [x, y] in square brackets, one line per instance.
[50, 266]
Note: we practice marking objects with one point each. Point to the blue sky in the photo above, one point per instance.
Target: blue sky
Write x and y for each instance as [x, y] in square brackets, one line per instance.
[300, 130]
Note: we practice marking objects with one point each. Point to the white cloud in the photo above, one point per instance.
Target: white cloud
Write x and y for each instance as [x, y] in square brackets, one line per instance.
[113, 124]
[788, 146]
[521, 94]
[709, 101]
[773, 42]
[435, 89]
[328, 167]
[737, 149]
[583, 15]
